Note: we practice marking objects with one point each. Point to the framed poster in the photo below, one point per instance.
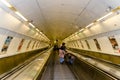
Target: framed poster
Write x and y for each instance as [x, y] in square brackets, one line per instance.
[114, 43]
[28, 44]
[20, 44]
[97, 44]
[36, 44]
[81, 44]
[6, 43]
[33, 44]
[77, 44]
[87, 44]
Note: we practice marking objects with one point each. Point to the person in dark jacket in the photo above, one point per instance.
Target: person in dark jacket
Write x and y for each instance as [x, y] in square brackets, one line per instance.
[63, 47]
[56, 47]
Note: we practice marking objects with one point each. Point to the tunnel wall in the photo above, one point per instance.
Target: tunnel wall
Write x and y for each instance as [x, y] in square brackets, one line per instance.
[102, 40]
[99, 43]
[15, 43]
[18, 41]
[17, 36]
[105, 50]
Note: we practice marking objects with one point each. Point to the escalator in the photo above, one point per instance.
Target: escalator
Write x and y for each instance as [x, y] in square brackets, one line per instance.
[56, 70]
[79, 70]
[46, 66]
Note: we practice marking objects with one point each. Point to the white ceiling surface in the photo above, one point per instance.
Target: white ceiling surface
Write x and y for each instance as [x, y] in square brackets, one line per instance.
[58, 18]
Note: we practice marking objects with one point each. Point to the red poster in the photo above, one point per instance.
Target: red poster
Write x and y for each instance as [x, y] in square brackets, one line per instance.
[20, 44]
[114, 43]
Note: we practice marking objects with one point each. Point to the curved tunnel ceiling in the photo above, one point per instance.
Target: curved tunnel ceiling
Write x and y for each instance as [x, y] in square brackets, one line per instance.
[58, 19]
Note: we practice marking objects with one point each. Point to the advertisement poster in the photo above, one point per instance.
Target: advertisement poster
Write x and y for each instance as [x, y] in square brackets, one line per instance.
[33, 44]
[114, 43]
[6, 44]
[20, 44]
[81, 44]
[87, 44]
[28, 45]
[97, 44]
[37, 44]
[77, 44]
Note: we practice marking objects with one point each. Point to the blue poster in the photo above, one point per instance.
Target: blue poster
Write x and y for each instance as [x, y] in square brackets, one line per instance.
[6, 44]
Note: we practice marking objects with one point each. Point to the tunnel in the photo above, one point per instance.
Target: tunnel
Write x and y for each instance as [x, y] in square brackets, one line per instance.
[34, 34]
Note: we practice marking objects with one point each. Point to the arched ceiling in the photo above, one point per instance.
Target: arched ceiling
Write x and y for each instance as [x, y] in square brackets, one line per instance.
[58, 19]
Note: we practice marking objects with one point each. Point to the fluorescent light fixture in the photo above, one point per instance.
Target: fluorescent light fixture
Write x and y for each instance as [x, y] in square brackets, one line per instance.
[105, 16]
[6, 3]
[81, 30]
[40, 32]
[20, 15]
[31, 25]
[89, 25]
[37, 29]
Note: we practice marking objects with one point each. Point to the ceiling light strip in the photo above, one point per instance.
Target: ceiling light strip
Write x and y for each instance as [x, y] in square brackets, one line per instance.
[31, 25]
[105, 16]
[20, 15]
[91, 24]
[100, 19]
[13, 9]
[6, 3]
[82, 29]
[88, 26]
[37, 29]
